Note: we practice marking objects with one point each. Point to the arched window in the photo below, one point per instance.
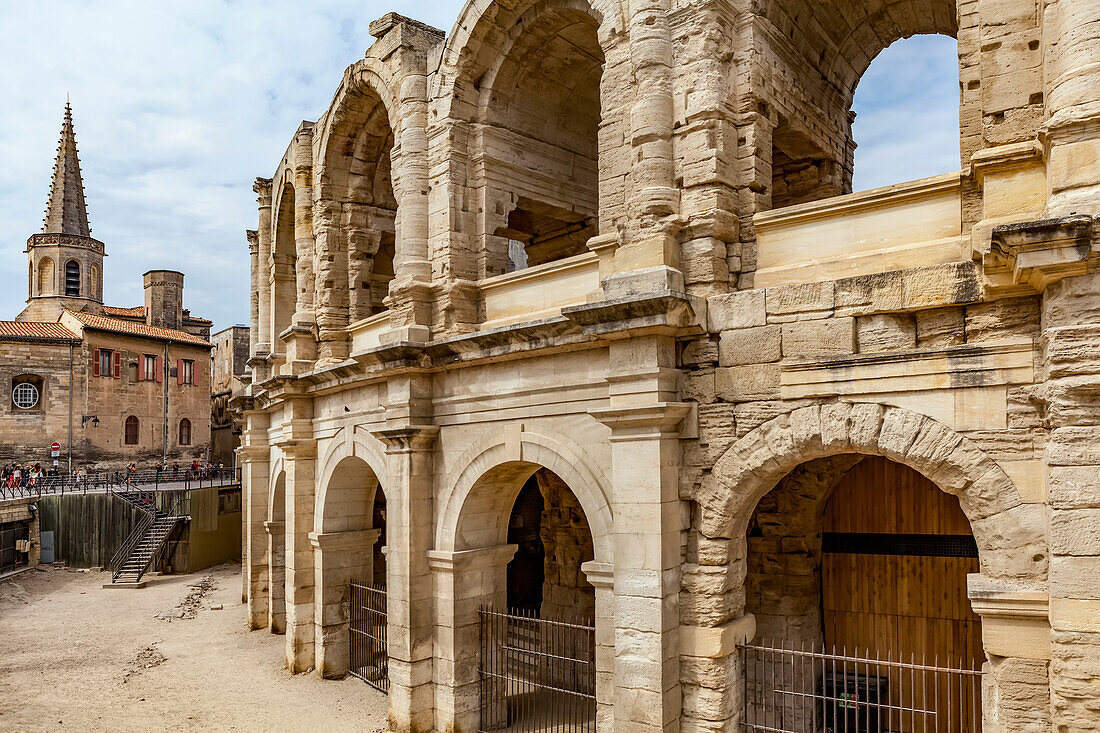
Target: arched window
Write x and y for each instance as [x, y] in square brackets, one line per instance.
[26, 392]
[72, 278]
[131, 432]
[45, 276]
[185, 432]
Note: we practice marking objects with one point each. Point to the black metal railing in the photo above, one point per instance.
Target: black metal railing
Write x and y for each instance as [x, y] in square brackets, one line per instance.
[800, 689]
[368, 652]
[103, 481]
[536, 674]
[146, 501]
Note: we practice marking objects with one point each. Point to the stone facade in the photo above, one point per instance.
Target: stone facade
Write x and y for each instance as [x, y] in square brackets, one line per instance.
[615, 242]
[93, 367]
[229, 360]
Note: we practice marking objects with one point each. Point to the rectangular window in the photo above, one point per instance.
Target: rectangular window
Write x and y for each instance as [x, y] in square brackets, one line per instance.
[149, 368]
[105, 362]
[186, 371]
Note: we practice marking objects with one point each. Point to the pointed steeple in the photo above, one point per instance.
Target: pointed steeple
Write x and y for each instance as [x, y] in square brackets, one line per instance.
[66, 212]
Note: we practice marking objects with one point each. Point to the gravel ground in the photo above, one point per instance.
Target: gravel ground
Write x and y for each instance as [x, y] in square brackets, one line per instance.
[76, 656]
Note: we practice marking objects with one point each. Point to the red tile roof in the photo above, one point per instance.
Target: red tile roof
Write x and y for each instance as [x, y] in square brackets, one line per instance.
[118, 325]
[35, 331]
[139, 312]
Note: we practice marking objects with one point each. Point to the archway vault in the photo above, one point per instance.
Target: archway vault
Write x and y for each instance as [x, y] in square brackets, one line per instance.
[493, 470]
[1010, 534]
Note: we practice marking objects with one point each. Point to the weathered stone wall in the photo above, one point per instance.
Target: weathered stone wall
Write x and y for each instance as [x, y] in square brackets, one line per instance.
[567, 541]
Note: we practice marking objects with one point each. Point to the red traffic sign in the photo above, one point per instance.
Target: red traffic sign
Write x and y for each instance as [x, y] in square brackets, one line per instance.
[55, 446]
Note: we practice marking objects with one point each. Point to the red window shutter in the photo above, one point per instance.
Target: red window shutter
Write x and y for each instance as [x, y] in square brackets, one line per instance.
[179, 371]
[158, 368]
[116, 364]
[95, 363]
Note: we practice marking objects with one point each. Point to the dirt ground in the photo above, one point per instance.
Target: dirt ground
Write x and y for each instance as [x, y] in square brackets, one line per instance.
[76, 656]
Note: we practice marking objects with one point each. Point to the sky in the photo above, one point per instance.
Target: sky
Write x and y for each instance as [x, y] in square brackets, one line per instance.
[178, 106]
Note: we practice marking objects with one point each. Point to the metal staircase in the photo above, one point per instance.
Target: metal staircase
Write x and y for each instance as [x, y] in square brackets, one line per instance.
[148, 539]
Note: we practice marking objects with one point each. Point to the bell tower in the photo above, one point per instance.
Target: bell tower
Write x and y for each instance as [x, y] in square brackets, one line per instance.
[64, 262]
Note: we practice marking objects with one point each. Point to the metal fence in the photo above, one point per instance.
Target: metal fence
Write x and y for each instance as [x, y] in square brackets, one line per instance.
[106, 480]
[801, 690]
[368, 650]
[536, 674]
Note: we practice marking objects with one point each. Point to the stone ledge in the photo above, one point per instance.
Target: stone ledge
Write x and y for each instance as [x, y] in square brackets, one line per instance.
[717, 642]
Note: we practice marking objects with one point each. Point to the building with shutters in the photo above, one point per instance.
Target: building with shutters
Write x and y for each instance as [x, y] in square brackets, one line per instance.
[111, 385]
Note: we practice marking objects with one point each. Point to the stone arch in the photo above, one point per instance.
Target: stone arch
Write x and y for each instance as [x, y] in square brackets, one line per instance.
[276, 549]
[276, 491]
[349, 448]
[477, 500]
[1006, 530]
[46, 276]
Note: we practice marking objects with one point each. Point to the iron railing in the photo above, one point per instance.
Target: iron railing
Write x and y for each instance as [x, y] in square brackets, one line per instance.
[807, 690]
[368, 653]
[146, 501]
[536, 674]
[103, 481]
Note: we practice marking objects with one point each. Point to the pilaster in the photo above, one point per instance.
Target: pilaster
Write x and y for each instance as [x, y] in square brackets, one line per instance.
[340, 558]
[254, 458]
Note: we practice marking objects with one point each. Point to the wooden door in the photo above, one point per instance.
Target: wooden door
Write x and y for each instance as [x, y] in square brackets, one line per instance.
[895, 554]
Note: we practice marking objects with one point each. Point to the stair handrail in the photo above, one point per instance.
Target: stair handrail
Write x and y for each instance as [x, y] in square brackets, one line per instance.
[179, 510]
[130, 543]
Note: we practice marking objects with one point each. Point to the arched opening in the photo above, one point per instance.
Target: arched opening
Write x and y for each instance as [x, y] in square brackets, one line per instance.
[523, 547]
[349, 552]
[542, 105]
[276, 565]
[358, 180]
[858, 557]
[96, 283]
[819, 52]
[284, 256]
[906, 113]
[72, 278]
[46, 277]
[185, 432]
[130, 430]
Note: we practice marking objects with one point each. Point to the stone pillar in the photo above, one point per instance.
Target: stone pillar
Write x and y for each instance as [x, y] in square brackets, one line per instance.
[464, 582]
[409, 459]
[602, 577]
[299, 462]
[302, 151]
[645, 461]
[1071, 133]
[254, 457]
[340, 558]
[254, 283]
[276, 576]
[331, 294]
[264, 281]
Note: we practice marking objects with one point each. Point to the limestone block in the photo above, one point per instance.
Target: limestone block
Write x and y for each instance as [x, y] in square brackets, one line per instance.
[940, 327]
[1022, 694]
[1074, 446]
[981, 408]
[1075, 577]
[751, 415]
[757, 345]
[744, 383]
[698, 385]
[699, 351]
[1074, 487]
[806, 300]
[1076, 532]
[951, 284]
[869, 293]
[812, 339]
[885, 332]
[717, 429]
[1072, 301]
[1073, 350]
[742, 309]
[1002, 319]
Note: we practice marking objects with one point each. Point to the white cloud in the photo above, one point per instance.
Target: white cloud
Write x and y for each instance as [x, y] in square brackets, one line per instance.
[179, 105]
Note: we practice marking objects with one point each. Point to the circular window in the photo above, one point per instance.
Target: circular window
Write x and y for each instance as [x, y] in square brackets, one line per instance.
[25, 395]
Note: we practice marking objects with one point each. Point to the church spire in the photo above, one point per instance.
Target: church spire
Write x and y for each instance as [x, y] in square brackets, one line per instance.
[66, 212]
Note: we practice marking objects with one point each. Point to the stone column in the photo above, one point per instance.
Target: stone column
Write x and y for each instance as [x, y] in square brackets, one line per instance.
[264, 282]
[331, 294]
[464, 581]
[645, 461]
[254, 282]
[602, 577]
[1071, 133]
[299, 462]
[409, 459]
[340, 558]
[276, 576]
[302, 151]
[254, 457]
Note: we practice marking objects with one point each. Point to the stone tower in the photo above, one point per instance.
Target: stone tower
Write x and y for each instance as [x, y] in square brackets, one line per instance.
[64, 262]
